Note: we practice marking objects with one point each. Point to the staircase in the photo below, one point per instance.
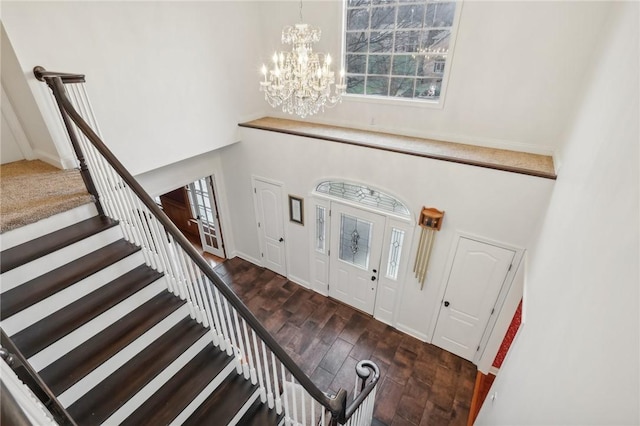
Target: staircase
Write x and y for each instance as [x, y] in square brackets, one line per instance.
[107, 338]
[110, 316]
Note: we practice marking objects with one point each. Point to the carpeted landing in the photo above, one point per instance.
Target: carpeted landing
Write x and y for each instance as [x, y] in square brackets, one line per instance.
[34, 190]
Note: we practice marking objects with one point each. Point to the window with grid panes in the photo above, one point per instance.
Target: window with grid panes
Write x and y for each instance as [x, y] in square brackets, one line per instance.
[397, 48]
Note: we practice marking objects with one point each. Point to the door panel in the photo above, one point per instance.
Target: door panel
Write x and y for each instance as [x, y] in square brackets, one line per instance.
[356, 246]
[476, 277]
[270, 225]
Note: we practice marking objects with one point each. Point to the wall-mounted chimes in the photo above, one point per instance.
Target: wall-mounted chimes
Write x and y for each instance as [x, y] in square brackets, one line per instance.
[430, 221]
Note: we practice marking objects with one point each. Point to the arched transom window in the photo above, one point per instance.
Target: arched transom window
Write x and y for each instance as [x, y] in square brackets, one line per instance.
[364, 195]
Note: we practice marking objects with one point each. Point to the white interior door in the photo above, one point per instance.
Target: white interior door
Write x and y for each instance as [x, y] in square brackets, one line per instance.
[476, 277]
[356, 246]
[268, 203]
[204, 206]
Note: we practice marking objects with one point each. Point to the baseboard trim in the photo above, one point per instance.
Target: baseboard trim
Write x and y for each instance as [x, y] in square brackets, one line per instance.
[246, 257]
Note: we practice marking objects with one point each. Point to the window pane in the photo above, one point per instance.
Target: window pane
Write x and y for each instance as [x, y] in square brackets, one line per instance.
[356, 64]
[320, 229]
[354, 3]
[395, 250]
[431, 65]
[379, 64]
[428, 88]
[377, 86]
[410, 16]
[355, 85]
[354, 240]
[357, 19]
[407, 41]
[435, 41]
[383, 17]
[381, 41]
[402, 87]
[357, 42]
[440, 14]
[404, 65]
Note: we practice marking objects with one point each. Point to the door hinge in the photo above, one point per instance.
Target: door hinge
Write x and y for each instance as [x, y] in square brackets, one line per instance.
[478, 348]
[262, 254]
[492, 311]
[328, 252]
[254, 191]
[258, 224]
[329, 213]
[510, 265]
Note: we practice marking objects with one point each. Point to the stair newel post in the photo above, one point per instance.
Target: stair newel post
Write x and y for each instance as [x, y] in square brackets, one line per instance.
[338, 413]
[55, 84]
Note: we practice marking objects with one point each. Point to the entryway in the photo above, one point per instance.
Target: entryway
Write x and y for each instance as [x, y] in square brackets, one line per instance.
[356, 241]
[193, 208]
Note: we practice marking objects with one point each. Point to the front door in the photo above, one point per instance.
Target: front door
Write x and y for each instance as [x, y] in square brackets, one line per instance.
[203, 202]
[356, 246]
[477, 274]
[268, 204]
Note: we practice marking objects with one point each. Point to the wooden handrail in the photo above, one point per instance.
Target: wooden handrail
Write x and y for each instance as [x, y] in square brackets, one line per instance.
[18, 363]
[337, 404]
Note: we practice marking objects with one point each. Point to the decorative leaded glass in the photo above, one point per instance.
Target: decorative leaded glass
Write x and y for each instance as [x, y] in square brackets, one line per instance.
[395, 250]
[355, 236]
[364, 195]
[320, 229]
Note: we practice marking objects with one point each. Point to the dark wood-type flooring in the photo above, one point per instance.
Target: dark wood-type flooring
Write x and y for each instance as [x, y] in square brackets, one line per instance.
[420, 384]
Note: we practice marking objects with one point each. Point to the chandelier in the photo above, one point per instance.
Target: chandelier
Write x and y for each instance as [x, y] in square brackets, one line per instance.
[301, 81]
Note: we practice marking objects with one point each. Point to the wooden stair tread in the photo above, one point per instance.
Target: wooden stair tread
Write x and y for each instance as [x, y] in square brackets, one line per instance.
[76, 364]
[110, 394]
[172, 398]
[57, 325]
[38, 247]
[32, 292]
[259, 414]
[223, 405]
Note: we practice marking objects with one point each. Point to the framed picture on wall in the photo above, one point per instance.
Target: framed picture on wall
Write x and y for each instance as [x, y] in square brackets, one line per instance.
[296, 209]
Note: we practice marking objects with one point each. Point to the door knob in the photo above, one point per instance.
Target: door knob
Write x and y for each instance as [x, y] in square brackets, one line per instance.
[373, 278]
[446, 303]
[281, 239]
[375, 270]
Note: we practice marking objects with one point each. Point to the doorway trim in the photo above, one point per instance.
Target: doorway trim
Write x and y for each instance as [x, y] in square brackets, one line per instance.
[508, 281]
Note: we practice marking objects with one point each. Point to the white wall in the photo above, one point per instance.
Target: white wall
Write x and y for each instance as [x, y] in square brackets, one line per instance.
[26, 113]
[501, 206]
[516, 71]
[576, 360]
[168, 80]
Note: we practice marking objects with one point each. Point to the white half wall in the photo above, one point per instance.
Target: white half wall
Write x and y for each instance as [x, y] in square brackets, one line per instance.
[576, 360]
[500, 206]
[168, 80]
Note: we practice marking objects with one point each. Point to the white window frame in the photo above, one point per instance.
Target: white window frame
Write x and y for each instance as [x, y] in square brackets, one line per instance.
[412, 102]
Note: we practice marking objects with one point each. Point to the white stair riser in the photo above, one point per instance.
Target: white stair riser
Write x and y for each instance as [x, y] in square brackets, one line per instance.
[202, 396]
[50, 224]
[59, 300]
[244, 408]
[145, 393]
[51, 261]
[88, 382]
[91, 328]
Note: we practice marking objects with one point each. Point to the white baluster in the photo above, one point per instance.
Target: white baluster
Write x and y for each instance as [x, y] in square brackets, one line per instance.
[252, 367]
